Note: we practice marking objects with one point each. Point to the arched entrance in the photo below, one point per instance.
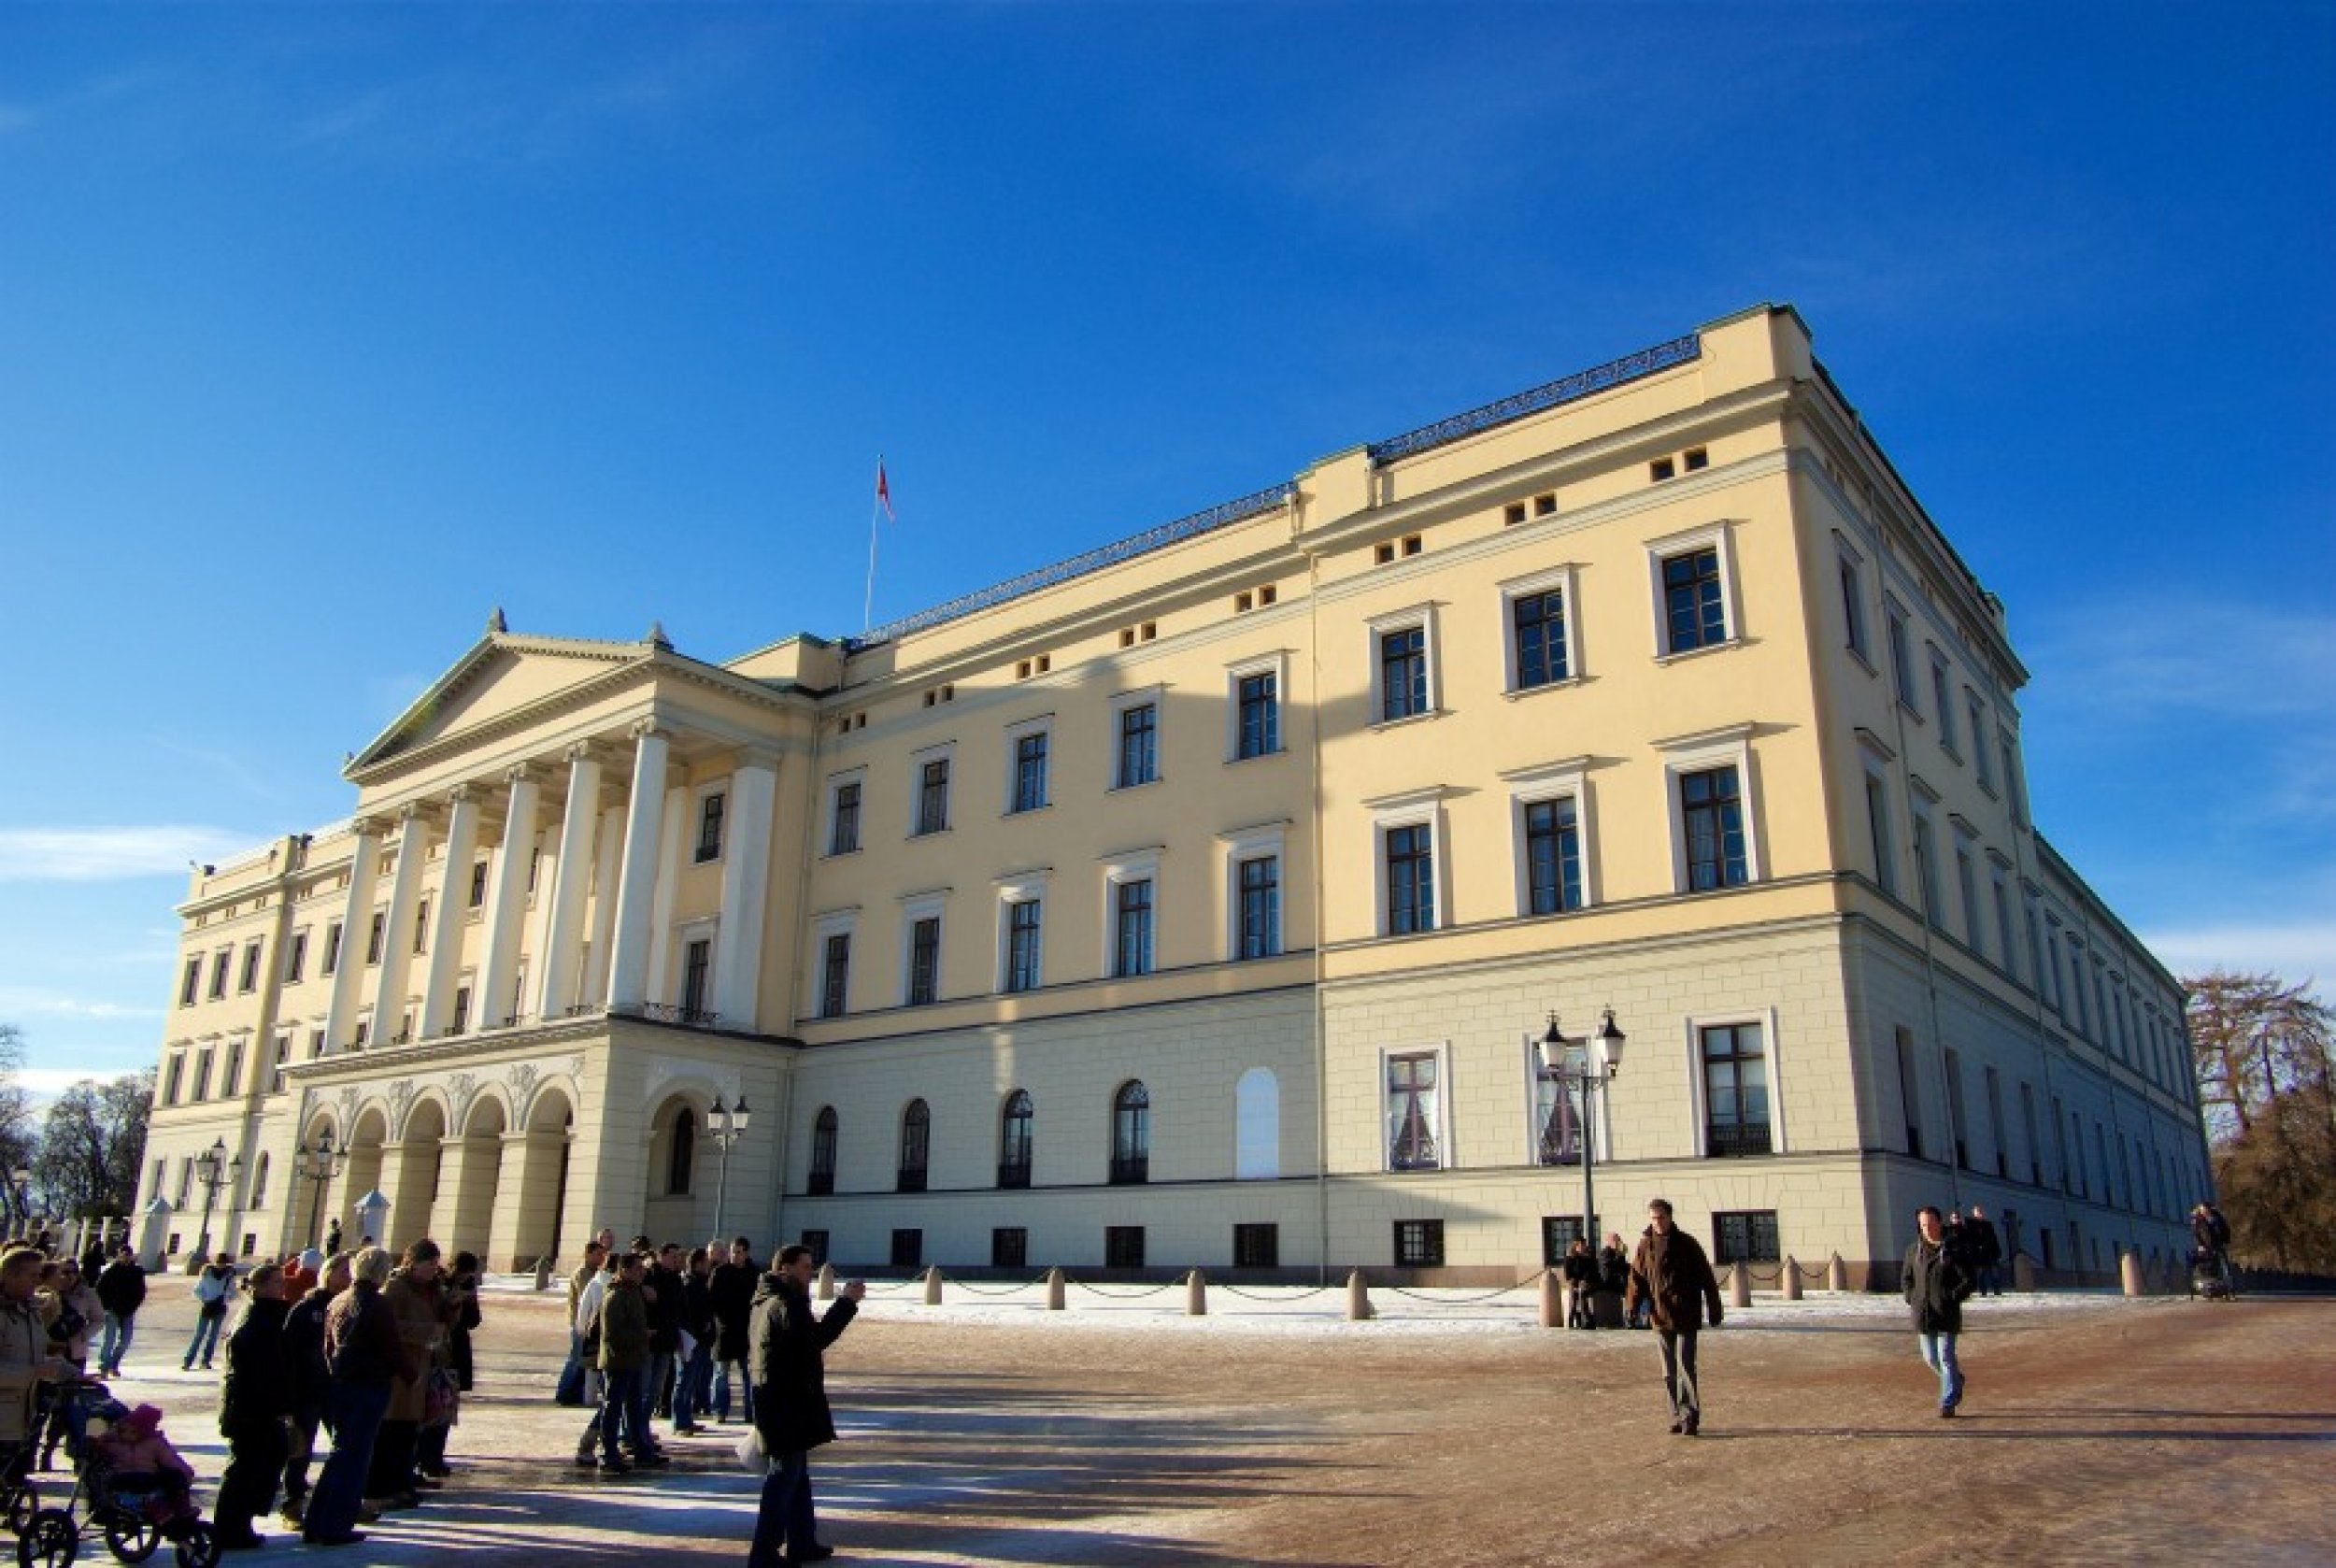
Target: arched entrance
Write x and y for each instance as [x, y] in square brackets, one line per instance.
[366, 1139]
[532, 1190]
[413, 1171]
[669, 1206]
[312, 1199]
[464, 1213]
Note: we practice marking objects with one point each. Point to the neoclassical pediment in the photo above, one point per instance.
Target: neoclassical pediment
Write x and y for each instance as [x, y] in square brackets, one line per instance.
[501, 677]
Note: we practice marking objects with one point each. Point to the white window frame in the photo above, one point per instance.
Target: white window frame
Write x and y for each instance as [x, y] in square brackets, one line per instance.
[1943, 697]
[1129, 866]
[698, 797]
[833, 922]
[1250, 843]
[1422, 616]
[1718, 535]
[1532, 786]
[1897, 636]
[835, 789]
[929, 905]
[1857, 627]
[1597, 1125]
[1694, 753]
[706, 929]
[940, 751]
[1155, 696]
[1022, 888]
[1976, 710]
[1999, 893]
[1564, 578]
[1022, 730]
[1409, 809]
[1446, 1155]
[1275, 663]
[1771, 1050]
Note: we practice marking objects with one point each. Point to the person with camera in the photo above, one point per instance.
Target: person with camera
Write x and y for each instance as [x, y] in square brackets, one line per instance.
[785, 1362]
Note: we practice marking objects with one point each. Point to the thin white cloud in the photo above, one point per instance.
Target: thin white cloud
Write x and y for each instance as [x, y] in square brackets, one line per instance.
[51, 1081]
[2297, 951]
[112, 854]
[2231, 660]
[19, 1002]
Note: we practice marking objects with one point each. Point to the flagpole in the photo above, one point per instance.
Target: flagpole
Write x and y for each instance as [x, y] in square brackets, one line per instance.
[876, 511]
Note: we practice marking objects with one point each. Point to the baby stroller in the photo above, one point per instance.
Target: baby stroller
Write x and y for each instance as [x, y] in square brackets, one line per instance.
[127, 1512]
[2209, 1274]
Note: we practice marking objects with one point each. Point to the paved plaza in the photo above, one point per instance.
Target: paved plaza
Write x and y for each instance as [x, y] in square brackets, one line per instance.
[989, 1432]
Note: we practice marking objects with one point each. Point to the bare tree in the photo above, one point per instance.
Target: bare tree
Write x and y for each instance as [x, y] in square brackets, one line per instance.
[2265, 1054]
[19, 1138]
[91, 1143]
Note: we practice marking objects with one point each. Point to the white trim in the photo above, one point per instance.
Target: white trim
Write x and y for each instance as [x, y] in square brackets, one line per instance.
[834, 922]
[1442, 1051]
[1411, 808]
[1856, 635]
[1423, 617]
[1276, 663]
[1132, 865]
[1562, 579]
[1027, 886]
[1599, 1124]
[1769, 1053]
[1267, 840]
[698, 797]
[1718, 535]
[1039, 725]
[940, 752]
[1568, 780]
[932, 906]
[1728, 747]
[834, 790]
[1155, 697]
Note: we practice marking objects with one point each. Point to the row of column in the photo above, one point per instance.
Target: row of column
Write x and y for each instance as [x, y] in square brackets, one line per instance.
[636, 849]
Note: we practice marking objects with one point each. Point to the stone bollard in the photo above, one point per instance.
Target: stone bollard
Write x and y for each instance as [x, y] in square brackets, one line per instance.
[1552, 1300]
[2130, 1271]
[2023, 1272]
[1837, 1276]
[1195, 1295]
[1054, 1289]
[1739, 1285]
[1358, 1299]
[1792, 1279]
[827, 1282]
[932, 1286]
[543, 1272]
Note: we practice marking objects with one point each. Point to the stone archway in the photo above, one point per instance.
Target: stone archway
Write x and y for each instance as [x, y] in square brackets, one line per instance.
[413, 1169]
[532, 1188]
[367, 1138]
[677, 1160]
[473, 1165]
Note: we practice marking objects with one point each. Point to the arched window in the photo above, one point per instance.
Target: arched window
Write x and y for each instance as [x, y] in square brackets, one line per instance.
[916, 1145]
[259, 1183]
[823, 1152]
[682, 1153]
[1132, 1134]
[1014, 1141]
[1257, 1126]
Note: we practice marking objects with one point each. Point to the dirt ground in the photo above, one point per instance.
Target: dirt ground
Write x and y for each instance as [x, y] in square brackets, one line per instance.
[2113, 1432]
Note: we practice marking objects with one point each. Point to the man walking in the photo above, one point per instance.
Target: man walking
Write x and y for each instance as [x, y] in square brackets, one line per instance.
[255, 1398]
[733, 1284]
[120, 1291]
[786, 1368]
[1986, 1249]
[1937, 1284]
[1670, 1274]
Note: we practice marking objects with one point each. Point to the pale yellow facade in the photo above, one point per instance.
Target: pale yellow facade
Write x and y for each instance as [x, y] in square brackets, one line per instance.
[1240, 820]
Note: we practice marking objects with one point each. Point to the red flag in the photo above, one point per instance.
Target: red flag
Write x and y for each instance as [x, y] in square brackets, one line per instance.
[884, 495]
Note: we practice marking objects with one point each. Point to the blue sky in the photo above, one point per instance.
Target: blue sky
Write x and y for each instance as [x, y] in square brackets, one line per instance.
[322, 331]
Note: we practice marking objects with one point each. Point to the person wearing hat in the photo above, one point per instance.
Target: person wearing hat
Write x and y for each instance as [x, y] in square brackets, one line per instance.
[254, 1399]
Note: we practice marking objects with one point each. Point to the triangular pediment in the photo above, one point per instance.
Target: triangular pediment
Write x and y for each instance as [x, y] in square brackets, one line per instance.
[502, 676]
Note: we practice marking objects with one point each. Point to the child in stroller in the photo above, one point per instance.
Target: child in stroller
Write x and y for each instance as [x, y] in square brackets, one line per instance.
[134, 1468]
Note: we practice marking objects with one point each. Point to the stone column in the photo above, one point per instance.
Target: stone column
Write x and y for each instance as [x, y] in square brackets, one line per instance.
[397, 939]
[746, 883]
[507, 905]
[641, 880]
[674, 824]
[348, 964]
[606, 860]
[447, 914]
[557, 963]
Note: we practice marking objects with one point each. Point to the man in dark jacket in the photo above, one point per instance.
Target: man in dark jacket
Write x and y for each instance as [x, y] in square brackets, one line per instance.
[692, 1385]
[661, 1290]
[1670, 1273]
[312, 1381]
[786, 1367]
[1986, 1251]
[120, 1291]
[733, 1285]
[624, 1357]
[254, 1399]
[1613, 1274]
[1937, 1283]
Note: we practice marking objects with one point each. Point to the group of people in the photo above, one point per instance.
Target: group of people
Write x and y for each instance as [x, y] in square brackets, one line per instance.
[655, 1333]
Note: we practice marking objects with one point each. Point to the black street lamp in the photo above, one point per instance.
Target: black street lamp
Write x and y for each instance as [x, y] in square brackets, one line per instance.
[212, 1168]
[727, 1125]
[318, 1165]
[1589, 1078]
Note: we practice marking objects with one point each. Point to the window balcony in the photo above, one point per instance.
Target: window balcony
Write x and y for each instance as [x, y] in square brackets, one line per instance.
[1735, 1139]
[1131, 1170]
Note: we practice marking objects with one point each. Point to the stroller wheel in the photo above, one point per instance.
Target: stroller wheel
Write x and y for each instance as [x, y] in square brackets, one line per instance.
[51, 1541]
[132, 1537]
[199, 1547]
[23, 1501]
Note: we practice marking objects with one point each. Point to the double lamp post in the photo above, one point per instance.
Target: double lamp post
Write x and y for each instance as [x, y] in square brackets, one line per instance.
[1558, 1059]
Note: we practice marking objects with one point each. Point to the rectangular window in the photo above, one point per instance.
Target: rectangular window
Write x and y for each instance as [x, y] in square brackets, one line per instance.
[1010, 1248]
[1419, 1244]
[1853, 609]
[2001, 891]
[1538, 623]
[1977, 714]
[1878, 830]
[332, 948]
[933, 797]
[477, 884]
[295, 957]
[220, 961]
[1413, 1137]
[1711, 811]
[1403, 673]
[2028, 1125]
[1030, 772]
[1746, 1236]
[1927, 867]
[1695, 614]
[1557, 1120]
[461, 1020]
[816, 1242]
[908, 1249]
[203, 1074]
[1909, 1092]
[283, 1057]
[1941, 700]
[697, 965]
[1553, 856]
[836, 975]
[1123, 1247]
[1735, 1090]
[1257, 1247]
[1995, 1122]
[1022, 917]
[316, 1044]
[191, 983]
[422, 926]
[1967, 884]
[1901, 659]
[1410, 860]
[248, 980]
[1132, 934]
[710, 827]
[1559, 1233]
[231, 1080]
[1260, 907]
[372, 936]
[842, 834]
[1259, 705]
[1957, 1122]
[1139, 745]
[924, 961]
[171, 1080]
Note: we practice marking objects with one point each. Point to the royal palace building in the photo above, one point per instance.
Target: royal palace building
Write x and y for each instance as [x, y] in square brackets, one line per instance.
[1200, 900]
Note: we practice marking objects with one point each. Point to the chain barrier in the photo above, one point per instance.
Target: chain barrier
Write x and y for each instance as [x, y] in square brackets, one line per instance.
[1258, 1296]
[900, 1290]
[1128, 1295]
[1465, 1300]
[994, 1289]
